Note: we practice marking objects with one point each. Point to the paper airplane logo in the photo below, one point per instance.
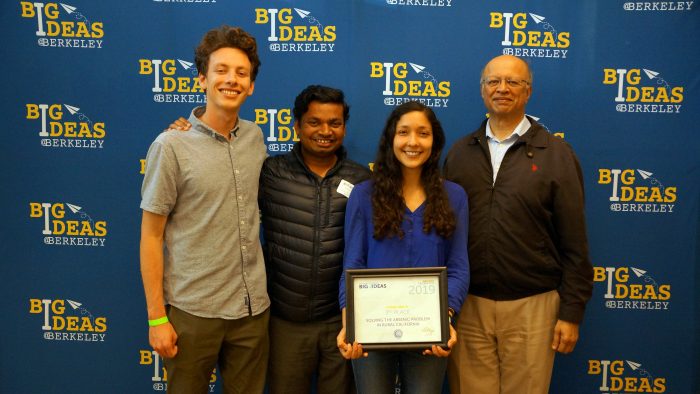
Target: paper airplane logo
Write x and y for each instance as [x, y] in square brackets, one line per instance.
[638, 272]
[633, 365]
[69, 9]
[74, 304]
[71, 109]
[537, 18]
[184, 64]
[302, 13]
[644, 174]
[417, 68]
[650, 74]
[74, 208]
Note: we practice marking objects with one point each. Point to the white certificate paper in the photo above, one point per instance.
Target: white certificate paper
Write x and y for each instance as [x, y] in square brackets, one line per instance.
[397, 309]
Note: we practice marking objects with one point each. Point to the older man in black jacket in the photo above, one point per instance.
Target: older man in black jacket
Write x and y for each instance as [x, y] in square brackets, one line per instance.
[531, 275]
[302, 198]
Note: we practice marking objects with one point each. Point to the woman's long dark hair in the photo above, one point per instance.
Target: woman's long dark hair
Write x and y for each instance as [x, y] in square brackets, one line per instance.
[387, 197]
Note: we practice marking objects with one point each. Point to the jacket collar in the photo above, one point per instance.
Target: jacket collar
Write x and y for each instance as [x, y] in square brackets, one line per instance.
[341, 153]
[535, 136]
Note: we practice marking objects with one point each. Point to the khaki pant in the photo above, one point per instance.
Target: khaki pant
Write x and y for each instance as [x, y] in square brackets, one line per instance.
[504, 347]
[239, 347]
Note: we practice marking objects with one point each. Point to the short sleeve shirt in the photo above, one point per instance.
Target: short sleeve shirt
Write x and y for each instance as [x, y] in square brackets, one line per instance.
[208, 188]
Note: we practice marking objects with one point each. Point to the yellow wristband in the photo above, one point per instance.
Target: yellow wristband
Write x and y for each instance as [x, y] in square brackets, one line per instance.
[158, 322]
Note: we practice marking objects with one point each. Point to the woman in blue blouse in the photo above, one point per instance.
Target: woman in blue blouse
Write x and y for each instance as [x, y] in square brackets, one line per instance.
[406, 216]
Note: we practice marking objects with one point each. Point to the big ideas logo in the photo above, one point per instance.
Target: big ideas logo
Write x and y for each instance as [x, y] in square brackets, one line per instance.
[632, 290]
[661, 97]
[160, 374]
[629, 195]
[56, 29]
[625, 376]
[300, 33]
[521, 40]
[279, 122]
[418, 84]
[83, 230]
[73, 323]
[78, 131]
[169, 87]
[658, 6]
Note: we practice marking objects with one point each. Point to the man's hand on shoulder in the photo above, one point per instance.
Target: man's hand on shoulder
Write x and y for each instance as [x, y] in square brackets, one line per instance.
[180, 124]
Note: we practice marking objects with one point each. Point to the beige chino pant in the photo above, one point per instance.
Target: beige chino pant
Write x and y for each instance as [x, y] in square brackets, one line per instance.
[504, 347]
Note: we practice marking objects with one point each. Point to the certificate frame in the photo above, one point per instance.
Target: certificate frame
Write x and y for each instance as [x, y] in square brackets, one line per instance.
[355, 302]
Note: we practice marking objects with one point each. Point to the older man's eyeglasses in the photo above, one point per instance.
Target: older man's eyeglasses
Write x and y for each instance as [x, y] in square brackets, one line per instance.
[512, 83]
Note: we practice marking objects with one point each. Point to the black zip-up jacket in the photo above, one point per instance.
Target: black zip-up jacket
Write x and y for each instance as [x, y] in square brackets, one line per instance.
[303, 217]
[527, 232]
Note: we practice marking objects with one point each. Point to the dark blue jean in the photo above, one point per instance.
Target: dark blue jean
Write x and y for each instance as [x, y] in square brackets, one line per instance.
[376, 374]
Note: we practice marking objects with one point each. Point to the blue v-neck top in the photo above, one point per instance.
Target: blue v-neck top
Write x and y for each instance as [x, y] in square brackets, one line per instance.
[415, 249]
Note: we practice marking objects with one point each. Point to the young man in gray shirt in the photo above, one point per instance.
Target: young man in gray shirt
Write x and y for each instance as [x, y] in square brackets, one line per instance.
[206, 291]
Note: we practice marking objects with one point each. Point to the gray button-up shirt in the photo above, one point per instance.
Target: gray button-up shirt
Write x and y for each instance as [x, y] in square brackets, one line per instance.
[208, 188]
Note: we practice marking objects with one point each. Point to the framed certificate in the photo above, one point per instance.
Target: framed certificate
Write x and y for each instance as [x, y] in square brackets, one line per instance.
[397, 308]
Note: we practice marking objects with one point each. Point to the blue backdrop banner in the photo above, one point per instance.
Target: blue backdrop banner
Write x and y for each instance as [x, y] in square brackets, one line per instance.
[89, 85]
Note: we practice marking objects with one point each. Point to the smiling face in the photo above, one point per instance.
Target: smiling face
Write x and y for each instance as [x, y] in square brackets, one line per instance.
[413, 141]
[228, 80]
[321, 130]
[505, 101]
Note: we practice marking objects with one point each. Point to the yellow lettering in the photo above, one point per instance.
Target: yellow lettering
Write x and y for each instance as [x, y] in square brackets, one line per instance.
[400, 87]
[71, 227]
[598, 274]
[633, 76]
[594, 367]
[670, 194]
[27, 9]
[97, 30]
[261, 116]
[627, 193]
[86, 325]
[168, 67]
[101, 324]
[622, 274]
[496, 20]
[444, 89]
[285, 16]
[640, 194]
[261, 16]
[627, 177]
[72, 323]
[51, 10]
[145, 67]
[329, 32]
[100, 228]
[520, 20]
[35, 306]
[677, 94]
[660, 385]
[35, 210]
[400, 70]
[146, 357]
[609, 76]
[563, 40]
